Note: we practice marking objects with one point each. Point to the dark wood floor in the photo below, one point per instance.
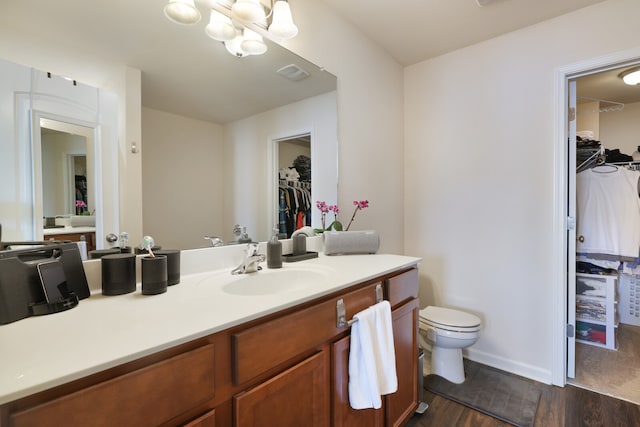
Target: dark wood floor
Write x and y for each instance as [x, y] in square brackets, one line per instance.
[559, 406]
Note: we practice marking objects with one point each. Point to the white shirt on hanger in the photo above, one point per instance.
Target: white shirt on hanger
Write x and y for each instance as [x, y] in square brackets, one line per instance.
[608, 209]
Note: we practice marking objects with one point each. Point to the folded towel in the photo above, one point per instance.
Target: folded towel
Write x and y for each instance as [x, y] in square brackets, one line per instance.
[372, 359]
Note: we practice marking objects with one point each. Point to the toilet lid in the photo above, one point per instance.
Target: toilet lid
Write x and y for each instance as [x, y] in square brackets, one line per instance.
[449, 319]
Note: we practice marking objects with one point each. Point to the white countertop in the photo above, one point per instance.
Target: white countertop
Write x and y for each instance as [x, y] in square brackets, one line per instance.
[38, 353]
[68, 230]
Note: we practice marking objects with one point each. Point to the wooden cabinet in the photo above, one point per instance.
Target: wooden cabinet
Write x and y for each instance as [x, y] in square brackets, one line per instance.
[401, 405]
[206, 420]
[151, 396]
[288, 369]
[298, 396]
[89, 237]
[343, 414]
[398, 407]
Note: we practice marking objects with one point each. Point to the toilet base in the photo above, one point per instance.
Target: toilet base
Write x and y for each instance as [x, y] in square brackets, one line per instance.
[447, 362]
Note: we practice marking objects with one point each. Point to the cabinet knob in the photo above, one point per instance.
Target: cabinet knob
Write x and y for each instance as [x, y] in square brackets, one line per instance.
[580, 239]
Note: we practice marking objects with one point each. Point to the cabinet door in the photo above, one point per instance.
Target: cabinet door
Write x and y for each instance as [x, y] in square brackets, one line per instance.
[402, 404]
[206, 420]
[297, 397]
[343, 414]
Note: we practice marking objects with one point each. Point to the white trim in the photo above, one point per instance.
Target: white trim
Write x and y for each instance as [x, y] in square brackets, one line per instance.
[559, 250]
[273, 169]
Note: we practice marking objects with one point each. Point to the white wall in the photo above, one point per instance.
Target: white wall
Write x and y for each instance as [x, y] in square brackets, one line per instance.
[479, 180]
[181, 158]
[250, 199]
[14, 205]
[370, 114]
[588, 118]
[621, 129]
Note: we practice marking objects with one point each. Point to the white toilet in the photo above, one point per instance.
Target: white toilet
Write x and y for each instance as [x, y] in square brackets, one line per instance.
[446, 332]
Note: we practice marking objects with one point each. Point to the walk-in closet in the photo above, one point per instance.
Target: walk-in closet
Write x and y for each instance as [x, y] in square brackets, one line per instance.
[294, 184]
[607, 197]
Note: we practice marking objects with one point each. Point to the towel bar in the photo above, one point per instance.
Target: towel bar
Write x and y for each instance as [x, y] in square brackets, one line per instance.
[341, 317]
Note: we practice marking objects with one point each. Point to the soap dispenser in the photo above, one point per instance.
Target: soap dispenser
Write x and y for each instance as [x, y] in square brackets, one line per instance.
[274, 251]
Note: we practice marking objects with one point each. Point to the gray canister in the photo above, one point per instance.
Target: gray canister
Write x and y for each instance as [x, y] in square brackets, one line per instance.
[173, 265]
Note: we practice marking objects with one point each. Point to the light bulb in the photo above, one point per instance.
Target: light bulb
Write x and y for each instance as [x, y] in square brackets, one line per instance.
[252, 43]
[220, 27]
[182, 12]
[282, 25]
[248, 10]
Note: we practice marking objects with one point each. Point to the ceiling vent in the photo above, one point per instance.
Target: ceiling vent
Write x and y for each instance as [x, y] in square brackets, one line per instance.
[293, 72]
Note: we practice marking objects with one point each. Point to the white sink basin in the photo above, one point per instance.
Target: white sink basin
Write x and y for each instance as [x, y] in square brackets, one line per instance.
[270, 281]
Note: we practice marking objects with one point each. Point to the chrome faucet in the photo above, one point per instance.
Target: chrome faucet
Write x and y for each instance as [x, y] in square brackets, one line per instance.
[251, 261]
[215, 241]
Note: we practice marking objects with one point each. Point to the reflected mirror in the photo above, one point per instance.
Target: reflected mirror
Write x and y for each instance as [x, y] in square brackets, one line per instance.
[66, 177]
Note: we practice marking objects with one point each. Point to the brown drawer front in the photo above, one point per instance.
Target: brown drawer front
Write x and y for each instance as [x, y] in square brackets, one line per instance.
[148, 396]
[402, 287]
[263, 347]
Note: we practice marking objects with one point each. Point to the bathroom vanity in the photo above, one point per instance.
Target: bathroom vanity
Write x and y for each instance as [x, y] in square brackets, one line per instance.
[212, 353]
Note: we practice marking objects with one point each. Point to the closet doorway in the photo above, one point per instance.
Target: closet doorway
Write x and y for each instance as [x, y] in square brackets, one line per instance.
[603, 281]
[295, 203]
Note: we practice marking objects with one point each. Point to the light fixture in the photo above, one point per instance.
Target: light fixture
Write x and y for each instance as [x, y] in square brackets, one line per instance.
[631, 76]
[182, 12]
[234, 46]
[228, 16]
[220, 27]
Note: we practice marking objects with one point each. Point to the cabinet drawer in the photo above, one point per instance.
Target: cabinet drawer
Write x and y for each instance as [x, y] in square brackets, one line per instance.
[149, 396]
[402, 287]
[263, 347]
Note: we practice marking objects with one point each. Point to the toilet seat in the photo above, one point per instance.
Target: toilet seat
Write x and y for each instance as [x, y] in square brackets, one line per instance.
[449, 319]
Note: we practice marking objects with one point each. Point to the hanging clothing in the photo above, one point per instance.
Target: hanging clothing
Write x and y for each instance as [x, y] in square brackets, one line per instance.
[608, 209]
[294, 206]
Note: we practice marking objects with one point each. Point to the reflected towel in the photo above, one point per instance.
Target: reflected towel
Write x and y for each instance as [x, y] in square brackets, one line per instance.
[372, 359]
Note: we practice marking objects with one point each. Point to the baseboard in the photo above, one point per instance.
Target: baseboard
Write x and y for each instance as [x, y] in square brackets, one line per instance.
[517, 368]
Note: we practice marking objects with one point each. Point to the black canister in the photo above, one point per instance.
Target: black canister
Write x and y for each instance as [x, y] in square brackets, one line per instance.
[118, 274]
[173, 265]
[154, 274]
[99, 253]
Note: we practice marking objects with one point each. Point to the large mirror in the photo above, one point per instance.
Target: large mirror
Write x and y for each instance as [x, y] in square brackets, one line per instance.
[209, 121]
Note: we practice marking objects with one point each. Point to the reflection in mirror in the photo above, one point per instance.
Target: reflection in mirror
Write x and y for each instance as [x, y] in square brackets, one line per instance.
[67, 170]
[207, 119]
[294, 184]
[64, 173]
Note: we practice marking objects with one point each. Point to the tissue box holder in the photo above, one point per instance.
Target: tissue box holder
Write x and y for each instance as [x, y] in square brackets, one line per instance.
[351, 242]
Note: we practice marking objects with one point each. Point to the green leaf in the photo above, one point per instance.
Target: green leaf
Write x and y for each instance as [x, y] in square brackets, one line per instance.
[337, 225]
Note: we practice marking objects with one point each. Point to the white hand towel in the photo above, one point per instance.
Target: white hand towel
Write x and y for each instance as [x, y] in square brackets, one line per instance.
[372, 359]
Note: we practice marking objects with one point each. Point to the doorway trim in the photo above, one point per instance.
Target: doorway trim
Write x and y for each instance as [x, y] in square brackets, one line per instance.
[560, 180]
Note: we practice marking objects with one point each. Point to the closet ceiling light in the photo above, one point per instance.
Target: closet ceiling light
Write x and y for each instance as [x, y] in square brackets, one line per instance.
[228, 17]
[631, 76]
